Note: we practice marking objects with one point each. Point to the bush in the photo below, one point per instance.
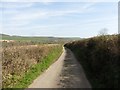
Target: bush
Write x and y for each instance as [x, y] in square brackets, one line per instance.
[99, 57]
[17, 60]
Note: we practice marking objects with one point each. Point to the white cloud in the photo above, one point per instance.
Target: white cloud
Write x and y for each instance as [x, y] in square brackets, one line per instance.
[87, 26]
[89, 5]
[29, 16]
[19, 18]
[45, 1]
[102, 20]
[16, 23]
[16, 5]
[10, 12]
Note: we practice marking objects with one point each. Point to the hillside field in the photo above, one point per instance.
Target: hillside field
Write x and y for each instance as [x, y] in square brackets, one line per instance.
[38, 39]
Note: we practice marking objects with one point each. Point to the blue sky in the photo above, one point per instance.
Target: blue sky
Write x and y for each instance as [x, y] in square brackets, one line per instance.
[59, 19]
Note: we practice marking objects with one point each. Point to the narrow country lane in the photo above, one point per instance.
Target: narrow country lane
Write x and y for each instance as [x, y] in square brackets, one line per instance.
[66, 72]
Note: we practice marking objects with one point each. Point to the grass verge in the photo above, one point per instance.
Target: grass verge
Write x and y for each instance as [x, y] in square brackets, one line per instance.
[38, 68]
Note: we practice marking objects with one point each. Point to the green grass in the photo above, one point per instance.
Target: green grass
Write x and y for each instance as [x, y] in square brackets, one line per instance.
[37, 69]
[21, 38]
[40, 39]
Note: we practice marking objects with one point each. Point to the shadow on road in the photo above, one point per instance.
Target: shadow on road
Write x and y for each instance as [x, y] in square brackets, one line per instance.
[72, 75]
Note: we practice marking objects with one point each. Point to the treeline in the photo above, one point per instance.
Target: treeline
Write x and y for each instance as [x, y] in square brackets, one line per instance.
[99, 57]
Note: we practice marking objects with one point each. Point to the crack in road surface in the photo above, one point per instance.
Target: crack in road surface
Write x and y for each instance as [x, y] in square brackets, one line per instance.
[66, 72]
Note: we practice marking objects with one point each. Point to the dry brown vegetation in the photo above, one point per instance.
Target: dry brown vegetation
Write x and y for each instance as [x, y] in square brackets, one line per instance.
[16, 60]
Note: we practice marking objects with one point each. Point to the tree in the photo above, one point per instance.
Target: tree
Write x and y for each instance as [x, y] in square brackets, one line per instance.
[103, 31]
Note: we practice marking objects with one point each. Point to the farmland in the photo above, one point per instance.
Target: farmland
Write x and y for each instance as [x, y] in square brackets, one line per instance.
[99, 57]
[21, 56]
[38, 39]
[24, 62]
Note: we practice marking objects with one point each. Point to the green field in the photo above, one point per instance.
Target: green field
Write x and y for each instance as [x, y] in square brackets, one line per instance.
[38, 39]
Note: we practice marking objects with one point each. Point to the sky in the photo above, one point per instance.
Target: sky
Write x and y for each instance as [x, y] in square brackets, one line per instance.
[59, 19]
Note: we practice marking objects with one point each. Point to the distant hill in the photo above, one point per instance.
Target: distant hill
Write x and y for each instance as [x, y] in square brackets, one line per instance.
[3, 35]
[38, 39]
